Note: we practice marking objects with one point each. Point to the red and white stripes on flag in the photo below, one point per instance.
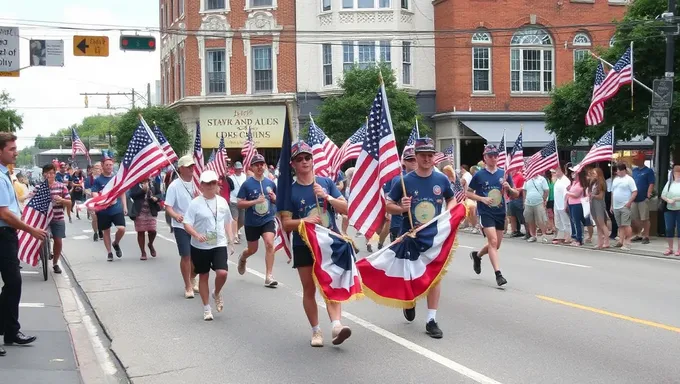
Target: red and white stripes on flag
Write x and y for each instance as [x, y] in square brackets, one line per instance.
[602, 150]
[447, 155]
[77, 146]
[38, 214]
[282, 239]
[199, 165]
[163, 142]
[543, 160]
[350, 150]
[502, 153]
[378, 164]
[516, 160]
[324, 151]
[607, 86]
[142, 158]
[249, 150]
[219, 163]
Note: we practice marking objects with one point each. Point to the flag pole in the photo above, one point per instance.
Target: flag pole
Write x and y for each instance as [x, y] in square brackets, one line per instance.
[318, 206]
[632, 74]
[632, 86]
[417, 129]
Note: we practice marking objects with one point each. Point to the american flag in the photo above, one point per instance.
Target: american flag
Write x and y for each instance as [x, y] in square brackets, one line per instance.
[378, 163]
[502, 153]
[199, 166]
[324, 151]
[248, 150]
[350, 150]
[543, 160]
[218, 160]
[447, 155]
[37, 213]
[411, 141]
[602, 150]
[212, 157]
[77, 146]
[458, 191]
[282, 239]
[516, 160]
[142, 158]
[607, 86]
[165, 145]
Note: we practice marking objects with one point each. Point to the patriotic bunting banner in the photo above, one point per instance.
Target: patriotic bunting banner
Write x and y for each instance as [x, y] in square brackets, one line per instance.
[335, 272]
[400, 274]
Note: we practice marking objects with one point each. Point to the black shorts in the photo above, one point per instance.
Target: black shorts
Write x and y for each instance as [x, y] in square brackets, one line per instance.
[206, 259]
[302, 257]
[254, 233]
[105, 221]
[493, 221]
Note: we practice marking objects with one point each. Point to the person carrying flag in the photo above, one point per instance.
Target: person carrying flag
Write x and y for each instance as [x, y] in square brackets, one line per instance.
[487, 187]
[257, 196]
[408, 160]
[426, 192]
[314, 200]
[113, 215]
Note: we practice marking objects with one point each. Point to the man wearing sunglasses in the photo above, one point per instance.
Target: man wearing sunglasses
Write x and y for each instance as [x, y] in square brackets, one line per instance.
[313, 200]
[487, 187]
[257, 197]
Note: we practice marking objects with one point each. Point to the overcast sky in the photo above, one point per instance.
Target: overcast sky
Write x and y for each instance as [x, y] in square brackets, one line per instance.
[48, 97]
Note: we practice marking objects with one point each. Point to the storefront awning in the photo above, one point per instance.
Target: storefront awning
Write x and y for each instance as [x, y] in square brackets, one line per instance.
[533, 132]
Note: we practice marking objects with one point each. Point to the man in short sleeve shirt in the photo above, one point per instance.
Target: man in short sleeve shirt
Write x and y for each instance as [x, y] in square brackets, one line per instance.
[60, 200]
[408, 161]
[114, 215]
[644, 181]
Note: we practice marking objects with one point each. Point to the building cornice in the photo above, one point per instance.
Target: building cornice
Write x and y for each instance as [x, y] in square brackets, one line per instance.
[503, 116]
[217, 100]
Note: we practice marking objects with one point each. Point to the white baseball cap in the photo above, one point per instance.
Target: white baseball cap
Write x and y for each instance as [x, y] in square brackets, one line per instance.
[208, 176]
[186, 161]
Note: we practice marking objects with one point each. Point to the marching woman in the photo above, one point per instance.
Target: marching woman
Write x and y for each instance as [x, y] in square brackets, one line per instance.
[146, 197]
[314, 200]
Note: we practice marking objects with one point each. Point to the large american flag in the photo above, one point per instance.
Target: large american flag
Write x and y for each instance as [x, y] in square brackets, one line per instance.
[199, 165]
[602, 150]
[447, 155]
[165, 145]
[37, 213]
[516, 160]
[350, 150]
[77, 146]
[543, 160]
[378, 163]
[502, 153]
[324, 151]
[248, 150]
[218, 161]
[606, 87]
[142, 158]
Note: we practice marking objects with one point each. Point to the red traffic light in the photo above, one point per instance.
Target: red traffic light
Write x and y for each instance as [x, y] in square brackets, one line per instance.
[138, 43]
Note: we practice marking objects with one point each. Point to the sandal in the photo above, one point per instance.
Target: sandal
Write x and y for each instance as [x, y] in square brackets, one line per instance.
[556, 242]
[152, 250]
[677, 253]
[669, 252]
[143, 257]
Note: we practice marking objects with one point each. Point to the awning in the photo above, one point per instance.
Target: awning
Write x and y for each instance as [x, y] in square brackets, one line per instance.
[533, 132]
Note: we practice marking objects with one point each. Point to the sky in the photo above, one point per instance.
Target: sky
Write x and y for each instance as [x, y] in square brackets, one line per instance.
[49, 98]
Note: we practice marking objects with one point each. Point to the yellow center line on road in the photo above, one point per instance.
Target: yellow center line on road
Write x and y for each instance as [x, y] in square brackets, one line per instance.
[610, 314]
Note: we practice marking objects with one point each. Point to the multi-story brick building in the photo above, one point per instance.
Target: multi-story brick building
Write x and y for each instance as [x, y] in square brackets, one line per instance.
[498, 61]
[230, 64]
[333, 35]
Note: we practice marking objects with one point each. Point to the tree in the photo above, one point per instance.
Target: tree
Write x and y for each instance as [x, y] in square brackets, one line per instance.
[565, 116]
[10, 120]
[166, 119]
[25, 158]
[341, 116]
[93, 130]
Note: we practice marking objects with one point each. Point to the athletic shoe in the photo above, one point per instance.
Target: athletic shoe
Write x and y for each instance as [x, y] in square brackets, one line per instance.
[410, 313]
[194, 285]
[116, 247]
[109, 257]
[500, 280]
[219, 302]
[432, 329]
[476, 262]
[317, 339]
[340, 333]
[189, 294]
[269, 282]
[207, 315]
[241, 264]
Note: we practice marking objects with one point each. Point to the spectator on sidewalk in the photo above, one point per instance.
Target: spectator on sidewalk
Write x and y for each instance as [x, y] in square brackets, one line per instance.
[516, 207]
[624, 192]
[644, 181]
[562, 221]
[671, 195]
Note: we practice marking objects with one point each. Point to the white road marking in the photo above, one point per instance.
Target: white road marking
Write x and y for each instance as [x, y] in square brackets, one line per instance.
[32, 305]
[80, 237]
[466, 246]
[88, 230]
[563, 263]
[29, 272]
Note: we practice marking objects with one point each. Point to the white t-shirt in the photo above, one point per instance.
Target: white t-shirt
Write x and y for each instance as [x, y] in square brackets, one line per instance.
[608, 182]
[179, 195]
[560, 192]
[467, 177]
[238, 182]
[208, 217]
[622, 190]
[535, 188]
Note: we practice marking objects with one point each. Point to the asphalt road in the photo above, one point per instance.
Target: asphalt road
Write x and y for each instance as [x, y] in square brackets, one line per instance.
[566, 316]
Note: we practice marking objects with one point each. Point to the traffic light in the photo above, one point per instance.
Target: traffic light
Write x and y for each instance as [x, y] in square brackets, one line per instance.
[138, 43]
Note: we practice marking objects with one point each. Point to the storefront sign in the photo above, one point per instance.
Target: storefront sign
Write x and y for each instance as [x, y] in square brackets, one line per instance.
[265, 121]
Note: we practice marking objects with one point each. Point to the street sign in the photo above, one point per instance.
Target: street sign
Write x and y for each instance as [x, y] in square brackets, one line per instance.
[47, 53]
[9, 49]
[662, 98]
[138, 43]
[10, 74]
[659, 121]
[91, 46]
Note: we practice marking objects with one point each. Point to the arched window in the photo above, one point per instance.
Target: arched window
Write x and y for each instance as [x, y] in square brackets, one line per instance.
[581, 45]
[582, 40]
[531, 61]
[481, 62]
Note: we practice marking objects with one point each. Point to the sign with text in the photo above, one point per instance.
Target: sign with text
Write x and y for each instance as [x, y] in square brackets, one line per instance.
[9, 49]
[659, 121]
[662, 98]
[91, 46]
[47, 53]
[10, 74]
[265, 121]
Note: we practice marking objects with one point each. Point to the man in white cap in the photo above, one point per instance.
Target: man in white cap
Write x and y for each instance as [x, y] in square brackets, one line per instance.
[207, 220]
[238, 178]
[177, 198]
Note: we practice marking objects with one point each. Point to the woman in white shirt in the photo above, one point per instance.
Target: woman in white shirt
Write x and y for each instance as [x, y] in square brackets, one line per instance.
[671, 195]
[207, 221]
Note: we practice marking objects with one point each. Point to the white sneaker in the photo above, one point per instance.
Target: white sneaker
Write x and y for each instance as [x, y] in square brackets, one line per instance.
[219, 302]
[207, 315]
[270, 282]
[241, 264]
[340, 333]
[195, 285]
[317, 339]
[189, 294]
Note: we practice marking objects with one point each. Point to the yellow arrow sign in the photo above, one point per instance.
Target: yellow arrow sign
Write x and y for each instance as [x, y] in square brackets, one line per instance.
[9, 74]
[91, 46]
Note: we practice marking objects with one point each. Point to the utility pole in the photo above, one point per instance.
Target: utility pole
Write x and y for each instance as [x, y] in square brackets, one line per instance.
[664, 153]
[148, 95]
[133, 98]
[131, 94]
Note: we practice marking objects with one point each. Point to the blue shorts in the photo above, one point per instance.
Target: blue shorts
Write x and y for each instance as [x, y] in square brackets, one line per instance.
[493, 221]
[58, 229]
[183, 240]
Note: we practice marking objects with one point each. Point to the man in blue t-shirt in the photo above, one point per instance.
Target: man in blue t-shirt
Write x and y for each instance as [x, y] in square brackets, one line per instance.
[112, 215]
[487, 187]
[426, 192]
[315, 200]
[639, 211]
[408, 160]
[257, 196]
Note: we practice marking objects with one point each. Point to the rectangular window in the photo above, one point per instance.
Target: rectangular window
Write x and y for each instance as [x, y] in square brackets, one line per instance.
[547, 71]
[327, 64]
[347, 4]
[260, 3]
[481, 69]
[217, 71]
[514, 70]
[182, 84]
[347, 55]
[366, 54]
[262, 68]
[384, 3]
[366, 3]
[531, 70]
[406, 62]
[385, 52]
[325, 5]
[214, 4]
[181, 7]
[404, 4]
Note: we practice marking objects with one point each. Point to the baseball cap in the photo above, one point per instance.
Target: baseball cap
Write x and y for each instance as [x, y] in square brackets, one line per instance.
[208, 176]
[300, 147]
[424, 144]
[238, 165]
[186, 161]
[257, 159]
[409, 153]
[490, 150]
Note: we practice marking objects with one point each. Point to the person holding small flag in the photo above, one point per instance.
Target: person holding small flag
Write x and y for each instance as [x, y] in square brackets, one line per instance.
[113, 215]
[61, 202]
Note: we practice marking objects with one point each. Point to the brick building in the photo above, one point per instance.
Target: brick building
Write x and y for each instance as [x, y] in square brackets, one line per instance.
[230, 64]
[498, 71]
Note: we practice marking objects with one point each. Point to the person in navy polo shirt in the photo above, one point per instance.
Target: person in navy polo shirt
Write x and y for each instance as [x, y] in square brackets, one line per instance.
[257, 196]
[639, 211]
[487, 187]
[426, 192]
[408, 160]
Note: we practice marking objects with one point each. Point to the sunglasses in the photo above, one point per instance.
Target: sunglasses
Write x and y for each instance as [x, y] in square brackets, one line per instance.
[410, 160]
[299, 159]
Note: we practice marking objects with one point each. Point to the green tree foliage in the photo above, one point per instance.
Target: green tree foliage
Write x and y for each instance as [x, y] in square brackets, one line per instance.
[10, 120]
[166, 119]
[93, 130]
[341, 116]
[565, 116]
[25, 158]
